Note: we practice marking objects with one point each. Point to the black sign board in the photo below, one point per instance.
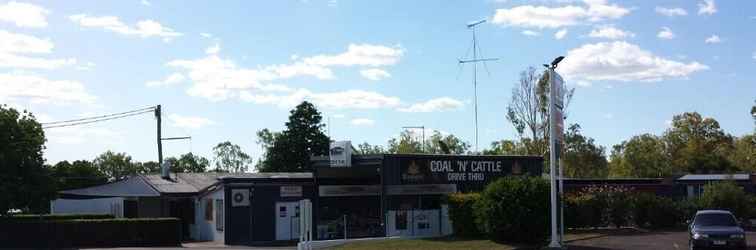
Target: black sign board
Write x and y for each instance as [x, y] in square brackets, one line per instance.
[468, 172]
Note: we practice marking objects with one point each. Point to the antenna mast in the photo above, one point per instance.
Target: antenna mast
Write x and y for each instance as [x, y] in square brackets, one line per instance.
[474, 62]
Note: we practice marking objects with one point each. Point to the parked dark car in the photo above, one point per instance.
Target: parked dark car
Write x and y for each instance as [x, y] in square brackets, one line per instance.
[716, 229]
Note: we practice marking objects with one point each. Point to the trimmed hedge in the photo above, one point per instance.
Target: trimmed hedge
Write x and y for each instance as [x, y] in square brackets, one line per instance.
[37, 217]
[652, 211]
[461, 207]
[90, 233]
[514, 209]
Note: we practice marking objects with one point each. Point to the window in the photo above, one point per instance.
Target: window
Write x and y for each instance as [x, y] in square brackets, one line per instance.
[219, 215]
[209, 209]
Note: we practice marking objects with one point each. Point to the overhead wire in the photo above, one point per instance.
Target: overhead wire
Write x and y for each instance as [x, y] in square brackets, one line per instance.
[142, 110]
[107, 118]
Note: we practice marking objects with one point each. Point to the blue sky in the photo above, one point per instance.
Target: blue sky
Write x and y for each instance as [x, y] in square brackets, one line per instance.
[224, 70]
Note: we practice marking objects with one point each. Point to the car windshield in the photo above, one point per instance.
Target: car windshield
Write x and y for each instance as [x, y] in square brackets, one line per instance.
[714, 219]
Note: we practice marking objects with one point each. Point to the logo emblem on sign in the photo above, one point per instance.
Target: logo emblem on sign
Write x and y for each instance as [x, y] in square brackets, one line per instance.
[516, 169]
[413, 172]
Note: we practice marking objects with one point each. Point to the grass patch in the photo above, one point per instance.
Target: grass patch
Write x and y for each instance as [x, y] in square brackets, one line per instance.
[443, 243]
[448, 243]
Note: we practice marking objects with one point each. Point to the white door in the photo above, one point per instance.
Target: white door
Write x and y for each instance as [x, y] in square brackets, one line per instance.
[287, 220]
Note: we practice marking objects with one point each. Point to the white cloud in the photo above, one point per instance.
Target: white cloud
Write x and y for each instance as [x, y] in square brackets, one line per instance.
[670, 12]
[24, 14]
[219, 79]
[530, 33]
[169, 80]
[610, 32]
[374, 74]
[143, 28]
[560, 34]
[349, 99]
[754, 55]
[359, 55]
[12, 46]
[583, 83]
[38, 89]
[362, 122]
[665, 33]
[530, 16]
[707, 7]
[622, 61]
[434, 105]
[713, 39]
[213, 49]
[338, 116]
[146, 3]
[206, 35]
[189, 122]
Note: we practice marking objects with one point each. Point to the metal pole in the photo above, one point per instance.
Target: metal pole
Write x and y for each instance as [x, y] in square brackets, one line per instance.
[475, 86]
[552, 165]
[345, 227]
[159, 137]
[424, 140]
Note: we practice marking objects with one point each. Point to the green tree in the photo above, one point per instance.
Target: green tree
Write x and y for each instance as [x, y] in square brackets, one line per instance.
[116, 166]
[405, 144]
[506, 147]
[743, 155]
[148, 167]
[78, 174]
[230, 158]
[191, 163]
[366, 149]
[641, 156]
[25, 182]
[290, 151]
[727, 195]
[698, 145]
[582, 157]
[528, 110]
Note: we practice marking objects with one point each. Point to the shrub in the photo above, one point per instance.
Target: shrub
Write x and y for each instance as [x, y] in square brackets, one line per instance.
[25, 217]
[514, 209]
[583, 210]
[461, 213]
[90, 233]
[598, 206]
[726, 195]
[652, 211]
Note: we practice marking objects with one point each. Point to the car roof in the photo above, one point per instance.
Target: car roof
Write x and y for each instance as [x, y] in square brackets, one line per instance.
[713, 212]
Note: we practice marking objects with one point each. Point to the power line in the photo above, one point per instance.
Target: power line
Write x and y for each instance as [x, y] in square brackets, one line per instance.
[97, 120]
[142, 110]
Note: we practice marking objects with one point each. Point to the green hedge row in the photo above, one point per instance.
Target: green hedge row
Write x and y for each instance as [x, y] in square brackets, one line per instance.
[37, 217]
[90, 233]
[461, 213]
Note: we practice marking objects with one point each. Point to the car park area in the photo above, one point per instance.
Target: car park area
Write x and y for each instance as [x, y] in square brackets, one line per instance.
[632, 239]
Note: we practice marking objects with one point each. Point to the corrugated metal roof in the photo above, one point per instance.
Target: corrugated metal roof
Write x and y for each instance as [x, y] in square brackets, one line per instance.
[714, 177]
[269, 175]
[133, 186]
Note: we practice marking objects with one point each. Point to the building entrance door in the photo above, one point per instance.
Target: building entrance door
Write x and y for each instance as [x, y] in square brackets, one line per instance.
[287, 220]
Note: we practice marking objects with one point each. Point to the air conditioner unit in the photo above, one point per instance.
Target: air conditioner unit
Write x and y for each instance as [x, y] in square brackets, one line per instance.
[239, 197]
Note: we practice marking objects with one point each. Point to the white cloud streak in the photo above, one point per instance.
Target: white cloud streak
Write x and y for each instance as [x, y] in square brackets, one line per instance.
[610, 32]
[189, 122]
[362, 122]
[15, 47]
[434, 105]
[559, 35]
[24, 14]
[529, 16]
[665, 33]
[707, 7]
[713, 39]
[530, 33]
[143, 28]
[374, 74]
[169, 80]
[622, 61]
[670, 12]
[38, 89]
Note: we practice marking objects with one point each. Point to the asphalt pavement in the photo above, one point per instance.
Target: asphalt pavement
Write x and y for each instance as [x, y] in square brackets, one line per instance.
[672, 240]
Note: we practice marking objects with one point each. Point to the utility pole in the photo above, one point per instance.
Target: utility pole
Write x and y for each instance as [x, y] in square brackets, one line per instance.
[556, 134]
[159, 136]
[474, 62]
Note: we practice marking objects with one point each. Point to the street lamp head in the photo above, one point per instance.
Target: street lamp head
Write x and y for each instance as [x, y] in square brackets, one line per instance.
[556, 61]
[473, 24]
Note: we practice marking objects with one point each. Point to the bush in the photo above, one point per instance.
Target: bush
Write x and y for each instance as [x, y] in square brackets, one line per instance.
[726, 195]
[25, 217]
[461, 213]
[90, 233]
[514, 209]
[598, 206]
[652, 211]
[583, 210]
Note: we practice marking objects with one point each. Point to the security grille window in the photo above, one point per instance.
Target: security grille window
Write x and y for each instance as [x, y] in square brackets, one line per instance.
[209, 209]
[219, 215]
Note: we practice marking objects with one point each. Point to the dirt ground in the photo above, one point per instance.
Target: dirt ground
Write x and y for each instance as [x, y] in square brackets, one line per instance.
[643, 240]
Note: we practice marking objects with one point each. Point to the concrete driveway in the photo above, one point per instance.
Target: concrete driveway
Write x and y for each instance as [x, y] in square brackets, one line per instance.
[643, 240]
[203, 245]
